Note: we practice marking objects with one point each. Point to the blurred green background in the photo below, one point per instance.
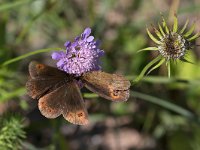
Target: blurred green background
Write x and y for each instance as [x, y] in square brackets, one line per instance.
[161, 113]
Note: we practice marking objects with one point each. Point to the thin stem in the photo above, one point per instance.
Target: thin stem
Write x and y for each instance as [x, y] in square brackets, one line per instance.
[167, 105]
[27, 55]
[168, 69]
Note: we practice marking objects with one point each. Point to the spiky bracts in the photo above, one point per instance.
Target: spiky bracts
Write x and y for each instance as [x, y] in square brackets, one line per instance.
[12, 132]
[171, 43]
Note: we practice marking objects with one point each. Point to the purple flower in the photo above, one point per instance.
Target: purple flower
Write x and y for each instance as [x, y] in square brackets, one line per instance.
[81, 56]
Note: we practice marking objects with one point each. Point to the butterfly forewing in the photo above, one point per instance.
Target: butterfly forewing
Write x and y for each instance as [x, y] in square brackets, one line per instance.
[38, 87]
[110, 86]
[44, 79]
[42, 71]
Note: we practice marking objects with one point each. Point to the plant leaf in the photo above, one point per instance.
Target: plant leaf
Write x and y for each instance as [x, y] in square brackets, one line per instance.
[152, 37]
[165, 25]
[197, 35]
[158, 65]
[184, 27]
[161, 29]
[175, 26]
[148, 49]
[141, 75]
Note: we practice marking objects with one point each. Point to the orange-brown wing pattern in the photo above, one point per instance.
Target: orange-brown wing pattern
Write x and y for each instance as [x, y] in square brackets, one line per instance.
[110, 86]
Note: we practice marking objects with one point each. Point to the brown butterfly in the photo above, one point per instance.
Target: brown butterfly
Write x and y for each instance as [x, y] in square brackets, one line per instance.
[59, 93]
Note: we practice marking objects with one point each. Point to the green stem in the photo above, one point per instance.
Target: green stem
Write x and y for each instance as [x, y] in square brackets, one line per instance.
[165, 80]
[90, 95]
[168, 68]
[167, 105]
[27, 55]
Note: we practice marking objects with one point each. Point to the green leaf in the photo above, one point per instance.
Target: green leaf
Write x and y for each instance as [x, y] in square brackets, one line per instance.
[184, 27]
[197, 35]
[161, 30]
[175, 26]
[190, 31]
[187, 61]
[157, 33]
[165, 25]
[158, 65]
[148, 49]
[141, 75]
[152, 37]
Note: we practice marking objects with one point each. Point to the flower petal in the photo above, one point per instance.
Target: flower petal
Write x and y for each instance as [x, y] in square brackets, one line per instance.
[67, 44]
[87, 32]
[60, 63]
[90, 38]
[57, 55]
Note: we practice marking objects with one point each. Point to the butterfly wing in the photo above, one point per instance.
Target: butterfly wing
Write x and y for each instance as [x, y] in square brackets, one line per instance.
[42, 71]
[57, 93]
[66, 100]
[44, 79]
[110, 86]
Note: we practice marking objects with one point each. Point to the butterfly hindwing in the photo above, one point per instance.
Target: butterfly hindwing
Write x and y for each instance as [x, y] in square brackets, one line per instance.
[66, 100]
[50, 105]
[75, 110]
[110, 86]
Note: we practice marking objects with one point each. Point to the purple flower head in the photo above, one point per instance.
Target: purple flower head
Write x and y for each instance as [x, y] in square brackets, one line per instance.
[81, 56]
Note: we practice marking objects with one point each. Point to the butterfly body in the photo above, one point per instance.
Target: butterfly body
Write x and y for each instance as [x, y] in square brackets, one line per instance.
[58, 93]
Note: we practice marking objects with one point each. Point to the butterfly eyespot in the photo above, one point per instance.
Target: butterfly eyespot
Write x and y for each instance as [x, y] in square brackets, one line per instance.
[40, 66]
[80, 114]
[70, 115]
[115, 94]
